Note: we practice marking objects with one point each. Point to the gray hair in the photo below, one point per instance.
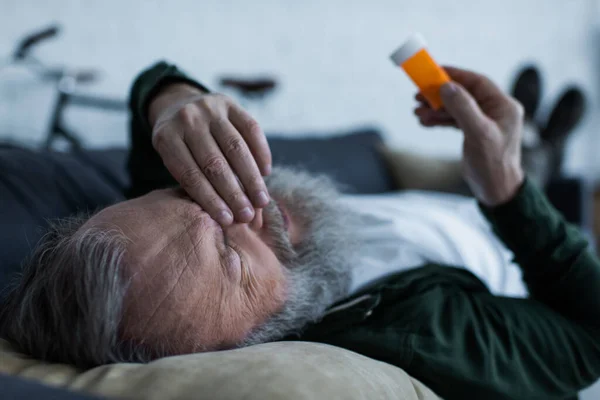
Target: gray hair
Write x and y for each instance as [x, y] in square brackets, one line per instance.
[66, 304]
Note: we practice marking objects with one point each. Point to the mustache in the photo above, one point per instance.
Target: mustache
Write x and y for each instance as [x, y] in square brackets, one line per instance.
[276, 232]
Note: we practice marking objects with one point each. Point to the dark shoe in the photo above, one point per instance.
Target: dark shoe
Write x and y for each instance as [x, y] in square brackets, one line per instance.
[565, 116]
[527, 89]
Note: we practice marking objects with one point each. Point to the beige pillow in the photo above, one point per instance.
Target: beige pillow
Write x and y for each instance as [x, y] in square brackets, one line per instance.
[416, 171]
[283, 370]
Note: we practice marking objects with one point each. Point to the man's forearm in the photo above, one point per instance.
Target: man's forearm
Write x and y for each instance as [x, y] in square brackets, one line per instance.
[169, 96]
[146, 168]
[557, 266]
[151, 83]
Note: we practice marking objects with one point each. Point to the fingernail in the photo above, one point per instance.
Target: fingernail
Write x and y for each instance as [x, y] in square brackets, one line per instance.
[246, 213]
[448, 89]
[267, 169]
[224, 217]
[263, 199]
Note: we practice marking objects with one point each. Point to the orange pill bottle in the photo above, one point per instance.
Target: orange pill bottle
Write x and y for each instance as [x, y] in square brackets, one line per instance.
[416, 61]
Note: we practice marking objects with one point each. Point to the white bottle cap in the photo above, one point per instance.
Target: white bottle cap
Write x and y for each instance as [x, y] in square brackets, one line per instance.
[413, 44]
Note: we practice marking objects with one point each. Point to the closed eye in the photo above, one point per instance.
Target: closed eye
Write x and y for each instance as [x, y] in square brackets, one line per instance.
[232, 255]
[225, 239]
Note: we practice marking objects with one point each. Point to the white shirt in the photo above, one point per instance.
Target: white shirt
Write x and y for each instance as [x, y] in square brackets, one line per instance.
[405, 230]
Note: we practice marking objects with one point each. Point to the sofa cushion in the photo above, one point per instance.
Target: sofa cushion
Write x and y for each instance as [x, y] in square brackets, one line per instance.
[36, 186]
[416, 171]
[272, 371]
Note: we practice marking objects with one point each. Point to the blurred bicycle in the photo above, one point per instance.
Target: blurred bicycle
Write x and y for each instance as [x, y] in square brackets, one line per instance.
[66, 81]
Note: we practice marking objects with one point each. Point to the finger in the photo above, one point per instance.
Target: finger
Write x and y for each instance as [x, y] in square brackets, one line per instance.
[462, 106]
[182, 166]
[479, 86]
[420, 98]
[429, 117]
[437, 119]
[254, 137]
[238, 154]
[216, 169]
[425, 104]
[435, 123]
[424, 111]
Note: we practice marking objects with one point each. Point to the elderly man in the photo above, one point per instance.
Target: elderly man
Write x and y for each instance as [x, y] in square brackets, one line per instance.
[230, 259]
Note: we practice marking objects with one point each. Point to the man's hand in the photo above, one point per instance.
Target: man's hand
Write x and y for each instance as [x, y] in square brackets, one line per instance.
[207, 142]
[492, 124]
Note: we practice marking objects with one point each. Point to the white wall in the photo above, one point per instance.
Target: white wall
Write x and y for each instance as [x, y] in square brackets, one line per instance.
[330, 55]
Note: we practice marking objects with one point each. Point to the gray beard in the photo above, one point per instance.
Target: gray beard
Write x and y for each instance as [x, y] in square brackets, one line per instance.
[318, 270]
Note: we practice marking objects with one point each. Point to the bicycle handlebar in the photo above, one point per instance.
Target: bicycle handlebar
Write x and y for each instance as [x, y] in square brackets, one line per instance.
[28, 41]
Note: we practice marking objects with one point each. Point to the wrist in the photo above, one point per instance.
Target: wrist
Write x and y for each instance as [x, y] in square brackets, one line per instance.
[167, 96]
[512, 178]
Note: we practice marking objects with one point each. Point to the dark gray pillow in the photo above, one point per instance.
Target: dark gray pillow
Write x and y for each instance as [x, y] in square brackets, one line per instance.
[351, 159]
[16, 388]
[37, 186]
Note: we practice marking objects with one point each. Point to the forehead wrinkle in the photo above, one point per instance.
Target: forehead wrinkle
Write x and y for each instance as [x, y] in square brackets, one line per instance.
[140, 262]
[165, 297]
[145, 287]
[212, 297]
[257, 289]
[196, 242]
[170, 239]
[224, 324]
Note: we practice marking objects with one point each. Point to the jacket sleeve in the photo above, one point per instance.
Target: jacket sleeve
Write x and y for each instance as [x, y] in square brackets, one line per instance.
[146, 169]
[547, 346]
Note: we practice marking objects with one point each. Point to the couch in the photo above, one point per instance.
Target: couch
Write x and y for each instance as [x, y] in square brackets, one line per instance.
[39, 185]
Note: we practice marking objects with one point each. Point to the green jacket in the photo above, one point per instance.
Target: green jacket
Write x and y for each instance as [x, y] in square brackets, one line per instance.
[441, 324]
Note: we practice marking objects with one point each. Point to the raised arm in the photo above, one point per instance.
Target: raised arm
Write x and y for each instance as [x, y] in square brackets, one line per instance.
[443, 326]
[181, 133]
[547, 346]
[557, 267]
[472, 344]
[146, 168]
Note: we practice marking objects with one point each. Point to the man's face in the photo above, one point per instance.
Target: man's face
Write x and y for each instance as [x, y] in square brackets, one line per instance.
[203, 287]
